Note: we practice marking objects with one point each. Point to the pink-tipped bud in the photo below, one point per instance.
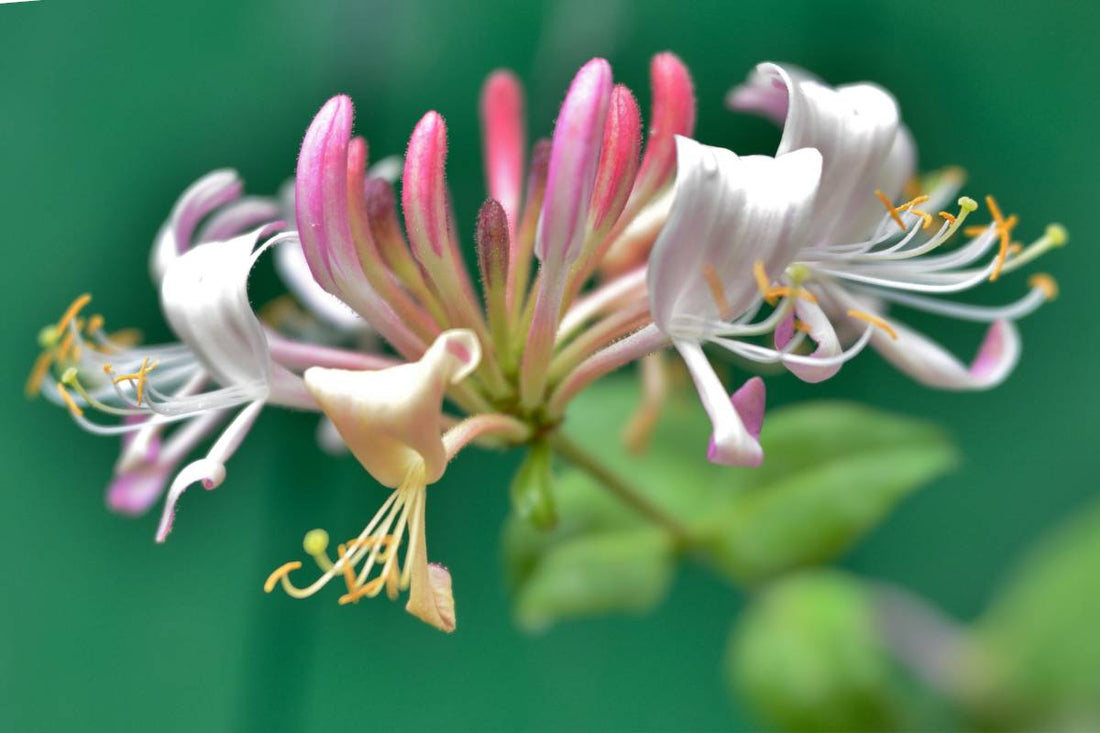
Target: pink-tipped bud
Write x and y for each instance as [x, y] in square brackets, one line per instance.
[622, 139]
[492, 244]
[320, 191]
[424, 188]
[673, 114]
[357, 208]
[574, 158]
[503, 140]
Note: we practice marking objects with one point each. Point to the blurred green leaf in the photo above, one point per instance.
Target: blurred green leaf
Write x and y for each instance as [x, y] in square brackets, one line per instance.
[831, 472]
[599, 573]
[805, 656]
[1040, 632]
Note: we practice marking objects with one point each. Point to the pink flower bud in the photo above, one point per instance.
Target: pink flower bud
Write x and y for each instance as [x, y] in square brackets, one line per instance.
[673, 114]
[622, 140]
[424, 188]
[492, 244]
[573, 161]
[503, 140]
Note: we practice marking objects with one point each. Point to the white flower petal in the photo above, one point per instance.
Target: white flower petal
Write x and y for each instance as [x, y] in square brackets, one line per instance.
[858, 131]
[728, 213]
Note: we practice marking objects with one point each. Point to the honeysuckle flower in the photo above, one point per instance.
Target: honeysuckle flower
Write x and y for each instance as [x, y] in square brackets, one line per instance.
[392, 422]
[728, 213]
[824, 246]
[223, 362]
[863, 249]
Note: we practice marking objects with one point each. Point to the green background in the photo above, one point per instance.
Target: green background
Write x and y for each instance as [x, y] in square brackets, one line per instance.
[108, 110]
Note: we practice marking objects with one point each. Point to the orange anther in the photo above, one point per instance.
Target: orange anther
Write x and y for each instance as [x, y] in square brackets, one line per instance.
[1046, 283]
[875, 321]
[281, 572]
[73, 407]
[949, 218]
[38, 373]
[72, 310]
[890, 208]
[349, 572]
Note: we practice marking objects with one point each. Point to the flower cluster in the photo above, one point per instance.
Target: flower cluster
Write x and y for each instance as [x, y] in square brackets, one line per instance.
[594, 250]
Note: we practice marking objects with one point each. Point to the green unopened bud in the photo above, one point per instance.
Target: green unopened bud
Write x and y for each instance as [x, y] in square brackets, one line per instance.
[532, 492]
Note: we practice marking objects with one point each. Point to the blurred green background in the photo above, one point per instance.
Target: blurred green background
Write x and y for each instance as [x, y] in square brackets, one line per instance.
[109, 109]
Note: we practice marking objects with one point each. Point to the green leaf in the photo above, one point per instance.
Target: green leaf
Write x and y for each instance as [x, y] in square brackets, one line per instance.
[805, 657]
[1040, 632]
[831, 472]
[595, 574]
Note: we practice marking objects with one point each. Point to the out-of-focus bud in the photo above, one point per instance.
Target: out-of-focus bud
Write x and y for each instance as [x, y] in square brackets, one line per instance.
[673, 114]
[503, 141]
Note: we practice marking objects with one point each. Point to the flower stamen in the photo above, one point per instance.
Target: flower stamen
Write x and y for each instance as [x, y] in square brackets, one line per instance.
[1046, 283]
[137, 379]
[875, 321]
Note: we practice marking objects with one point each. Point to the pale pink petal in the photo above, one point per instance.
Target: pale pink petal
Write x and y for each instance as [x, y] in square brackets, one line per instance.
[932, 365]
[822, 333]
[731, 442]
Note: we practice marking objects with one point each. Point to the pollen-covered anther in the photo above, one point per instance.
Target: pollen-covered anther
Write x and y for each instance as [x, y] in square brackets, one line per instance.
[1046, 283]
[1004, 228]
[280, 573]
[137, 379]
[896, 211]
[876, 322]
[69, 401]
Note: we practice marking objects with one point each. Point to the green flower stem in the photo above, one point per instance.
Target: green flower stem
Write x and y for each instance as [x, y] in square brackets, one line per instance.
[622, 489]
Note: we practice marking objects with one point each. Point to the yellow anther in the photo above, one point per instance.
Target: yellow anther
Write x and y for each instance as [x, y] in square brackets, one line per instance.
[70, 312]
[976, 230]
[717, 291]
[138, 378]
[369, 590]
[1004, 229]
[1057, 235]
[1014, 249]
[349, 571]
[912, 202]
[1046, 283]
[73, 407]
[315, 542]
[949, 218]
[890, 208]
[801, 326]
[924, 215]
[95, 323]
[38, 373]
[281, 572]
[875, 321]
